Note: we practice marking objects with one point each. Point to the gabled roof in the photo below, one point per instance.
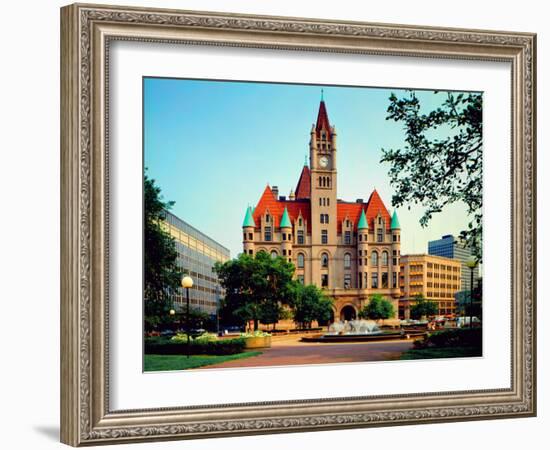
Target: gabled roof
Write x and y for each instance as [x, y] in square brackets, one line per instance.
[248, 219]
[276, 209]
[375, 205]
[322, 120]
[353, 211]
[303, 188]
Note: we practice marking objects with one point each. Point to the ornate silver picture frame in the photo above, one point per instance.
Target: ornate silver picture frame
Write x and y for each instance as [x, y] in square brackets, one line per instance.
[87, 32]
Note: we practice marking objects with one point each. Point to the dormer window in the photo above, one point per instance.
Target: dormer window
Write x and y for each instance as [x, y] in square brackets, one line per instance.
[267, 217]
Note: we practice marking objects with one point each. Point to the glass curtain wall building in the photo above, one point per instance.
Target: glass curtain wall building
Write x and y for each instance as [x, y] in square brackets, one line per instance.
[197, 254]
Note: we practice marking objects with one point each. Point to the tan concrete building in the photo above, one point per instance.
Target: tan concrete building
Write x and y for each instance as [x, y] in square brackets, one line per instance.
[350, 249]
[435, 277]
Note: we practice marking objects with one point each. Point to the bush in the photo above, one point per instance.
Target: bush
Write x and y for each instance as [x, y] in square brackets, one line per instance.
[459, 337]
[257, 333]
[154, 346]
[204, 337]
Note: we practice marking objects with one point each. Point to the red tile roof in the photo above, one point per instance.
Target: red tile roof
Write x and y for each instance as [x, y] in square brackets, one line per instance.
[375, 206]
[303, 188]
[322, 120]
[276, 208]
[352, 211]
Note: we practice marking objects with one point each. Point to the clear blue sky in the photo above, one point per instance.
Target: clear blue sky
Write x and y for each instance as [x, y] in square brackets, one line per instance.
[212, 146]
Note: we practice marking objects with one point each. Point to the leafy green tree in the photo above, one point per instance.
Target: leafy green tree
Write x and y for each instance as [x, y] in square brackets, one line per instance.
[423, 308]
[310, 303]
[377, 308]
[255, 287]
[161, 274]
[441, 160]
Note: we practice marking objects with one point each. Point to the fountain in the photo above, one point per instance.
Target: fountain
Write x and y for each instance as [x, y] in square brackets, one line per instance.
[353, 327]
[359, 330]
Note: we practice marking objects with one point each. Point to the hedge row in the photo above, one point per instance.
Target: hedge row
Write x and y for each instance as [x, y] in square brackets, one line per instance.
[221, 347]
[456, 337]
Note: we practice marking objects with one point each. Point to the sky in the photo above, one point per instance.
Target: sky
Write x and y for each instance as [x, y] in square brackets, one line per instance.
[213, 146]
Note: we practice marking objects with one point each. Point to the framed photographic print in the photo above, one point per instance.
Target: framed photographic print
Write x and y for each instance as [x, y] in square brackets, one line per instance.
[280, 224]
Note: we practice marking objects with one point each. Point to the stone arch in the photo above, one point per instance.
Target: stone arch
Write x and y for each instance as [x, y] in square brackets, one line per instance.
[347, 260]
[374, 261]
[348, 312]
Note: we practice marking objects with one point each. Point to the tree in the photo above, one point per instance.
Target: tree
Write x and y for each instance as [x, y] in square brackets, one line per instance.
[256, 286]
[423, 308]
[377, 308]
[310, 303]
[441, 160]
[161, 274]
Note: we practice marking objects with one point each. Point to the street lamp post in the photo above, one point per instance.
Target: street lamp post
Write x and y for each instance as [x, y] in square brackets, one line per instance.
[471, 263]
[186, 283]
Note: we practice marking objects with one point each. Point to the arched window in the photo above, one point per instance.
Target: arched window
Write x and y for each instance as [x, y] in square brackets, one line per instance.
[347, 261]
[320, 181]
[300, 260]
[374, 258]
[324, 260]
[384, 258]
[274, 254]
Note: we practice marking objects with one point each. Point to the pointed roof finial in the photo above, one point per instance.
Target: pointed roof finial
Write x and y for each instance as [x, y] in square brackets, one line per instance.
[363, 224]
[305, 160]
[322, 96]
[285, 220]
[395, 225]
[248, 219]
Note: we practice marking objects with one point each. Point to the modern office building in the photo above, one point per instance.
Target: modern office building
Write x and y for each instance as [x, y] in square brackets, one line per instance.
[436, 278]
[451, 247]
[350, 249]
[197, 254]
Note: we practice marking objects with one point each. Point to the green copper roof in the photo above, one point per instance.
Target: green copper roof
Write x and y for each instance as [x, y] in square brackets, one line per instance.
[248, 219]
[362, 225]
[395, 222]
[285, 220]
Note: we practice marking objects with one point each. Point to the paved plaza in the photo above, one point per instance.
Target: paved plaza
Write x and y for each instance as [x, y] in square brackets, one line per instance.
[288, 350]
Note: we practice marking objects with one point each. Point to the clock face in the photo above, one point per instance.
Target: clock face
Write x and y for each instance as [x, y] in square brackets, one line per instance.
[323, 161]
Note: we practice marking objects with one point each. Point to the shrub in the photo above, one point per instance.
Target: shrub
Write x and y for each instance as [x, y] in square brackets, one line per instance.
[196, 347]
[257, 333]
[459, 337]
[205, 337]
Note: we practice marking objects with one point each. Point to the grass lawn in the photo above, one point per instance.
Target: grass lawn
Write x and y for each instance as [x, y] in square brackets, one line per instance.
[180, 362]
[448, 352]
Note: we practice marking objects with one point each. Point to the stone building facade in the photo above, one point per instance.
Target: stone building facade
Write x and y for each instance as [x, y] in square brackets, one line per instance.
[435, 278]
[350, 249]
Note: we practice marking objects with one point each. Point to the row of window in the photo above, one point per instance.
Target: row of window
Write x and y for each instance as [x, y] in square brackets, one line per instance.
[324, 219]
[324, 201]
[363, 280]
[325, 182]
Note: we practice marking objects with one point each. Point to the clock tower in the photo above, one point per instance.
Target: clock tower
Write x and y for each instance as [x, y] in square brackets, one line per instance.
[322, 158]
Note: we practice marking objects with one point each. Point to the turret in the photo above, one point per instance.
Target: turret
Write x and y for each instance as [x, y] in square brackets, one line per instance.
[286, 235]
[248, 231]
[362, 254]
[291, 196]
[395, 228]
